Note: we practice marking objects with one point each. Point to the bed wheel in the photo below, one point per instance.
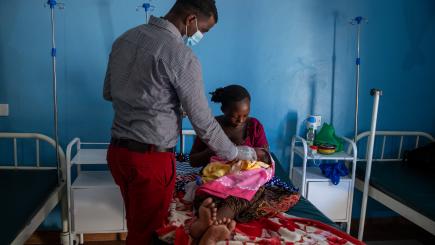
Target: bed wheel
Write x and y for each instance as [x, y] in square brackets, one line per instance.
[81, 239]
[64, 238]
[75, 239]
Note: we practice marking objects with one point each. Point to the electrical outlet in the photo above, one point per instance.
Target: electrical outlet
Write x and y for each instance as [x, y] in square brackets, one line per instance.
[4, 110]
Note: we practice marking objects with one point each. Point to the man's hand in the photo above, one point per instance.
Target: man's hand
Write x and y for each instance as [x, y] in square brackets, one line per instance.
[246, 153]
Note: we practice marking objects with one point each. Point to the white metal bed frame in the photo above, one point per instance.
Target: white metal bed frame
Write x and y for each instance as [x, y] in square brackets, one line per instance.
[58, 195]
[185, 133]
[400, 208]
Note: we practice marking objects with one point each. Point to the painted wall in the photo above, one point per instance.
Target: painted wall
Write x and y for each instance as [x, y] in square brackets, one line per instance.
[296, 57]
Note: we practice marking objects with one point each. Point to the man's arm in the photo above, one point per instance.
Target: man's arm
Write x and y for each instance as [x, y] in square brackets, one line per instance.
[189, 86]
[107, 94]
[106, 89]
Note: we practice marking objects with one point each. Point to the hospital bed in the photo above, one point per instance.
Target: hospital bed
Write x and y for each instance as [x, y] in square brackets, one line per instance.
[95, 202]
[303, 208]
[407, 190]
[28, 193]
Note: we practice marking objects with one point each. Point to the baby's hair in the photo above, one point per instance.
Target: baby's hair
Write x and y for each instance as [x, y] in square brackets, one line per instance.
[229, 94]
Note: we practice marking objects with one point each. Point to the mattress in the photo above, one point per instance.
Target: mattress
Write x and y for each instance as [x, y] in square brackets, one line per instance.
[23, 193]
[412, 186]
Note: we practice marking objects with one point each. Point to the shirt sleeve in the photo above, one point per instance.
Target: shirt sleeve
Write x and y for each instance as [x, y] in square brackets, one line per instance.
[189, 86]
[107, 94]
[106, 89]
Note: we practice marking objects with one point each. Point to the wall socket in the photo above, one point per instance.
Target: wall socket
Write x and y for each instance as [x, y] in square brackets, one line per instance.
[4, 110]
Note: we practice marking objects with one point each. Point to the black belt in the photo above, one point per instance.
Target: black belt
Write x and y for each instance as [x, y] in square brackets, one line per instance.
[133, 145]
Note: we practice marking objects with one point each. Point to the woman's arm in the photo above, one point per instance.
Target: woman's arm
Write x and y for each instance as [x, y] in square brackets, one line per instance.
[200, 154]
[260, 142]
[260, 139]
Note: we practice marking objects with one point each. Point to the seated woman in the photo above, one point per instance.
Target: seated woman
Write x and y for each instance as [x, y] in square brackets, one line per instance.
[241, 129]
[248, 131]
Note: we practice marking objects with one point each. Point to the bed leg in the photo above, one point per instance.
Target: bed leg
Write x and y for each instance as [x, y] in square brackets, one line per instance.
[82, 239]
[65, 235]
[64, 238]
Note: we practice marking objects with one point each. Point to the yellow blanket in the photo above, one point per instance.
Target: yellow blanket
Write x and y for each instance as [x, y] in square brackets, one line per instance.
[216, 170]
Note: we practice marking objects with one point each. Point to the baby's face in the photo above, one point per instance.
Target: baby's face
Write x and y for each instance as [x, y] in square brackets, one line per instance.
[262, 155]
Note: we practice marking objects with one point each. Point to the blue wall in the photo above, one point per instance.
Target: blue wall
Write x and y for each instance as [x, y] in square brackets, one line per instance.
[295, 57]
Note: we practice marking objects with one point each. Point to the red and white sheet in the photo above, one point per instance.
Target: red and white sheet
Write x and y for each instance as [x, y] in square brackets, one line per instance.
[282, 229]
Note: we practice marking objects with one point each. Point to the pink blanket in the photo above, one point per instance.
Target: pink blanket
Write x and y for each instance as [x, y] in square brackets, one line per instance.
[243, 184]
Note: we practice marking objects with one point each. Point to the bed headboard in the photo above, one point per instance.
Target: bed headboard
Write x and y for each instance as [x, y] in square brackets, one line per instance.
[185, 133]
[409, 136]
[14, 137]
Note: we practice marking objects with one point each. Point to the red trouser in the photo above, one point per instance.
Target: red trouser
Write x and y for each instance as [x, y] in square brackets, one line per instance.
[147, 181]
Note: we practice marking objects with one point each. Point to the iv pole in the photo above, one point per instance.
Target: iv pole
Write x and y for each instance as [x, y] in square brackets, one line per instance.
[376, 93]
[52, 4]
[357, 21]
[66, 223]
[148, 8]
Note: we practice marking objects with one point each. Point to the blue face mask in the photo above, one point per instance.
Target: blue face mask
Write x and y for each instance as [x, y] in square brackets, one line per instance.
[195, 38]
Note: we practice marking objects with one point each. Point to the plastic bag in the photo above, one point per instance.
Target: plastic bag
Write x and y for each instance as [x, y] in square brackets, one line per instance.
[326, 135]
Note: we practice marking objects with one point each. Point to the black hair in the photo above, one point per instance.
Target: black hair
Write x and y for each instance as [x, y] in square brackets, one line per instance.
[230, 94]
[204, 7]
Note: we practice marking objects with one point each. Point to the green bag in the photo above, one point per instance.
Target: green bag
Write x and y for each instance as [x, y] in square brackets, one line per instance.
[326, 135]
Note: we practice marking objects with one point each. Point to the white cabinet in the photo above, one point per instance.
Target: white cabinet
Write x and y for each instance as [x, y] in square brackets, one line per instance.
[337, 198]
[335, 201]
[96, 204]
[332, 200]
[94, 200]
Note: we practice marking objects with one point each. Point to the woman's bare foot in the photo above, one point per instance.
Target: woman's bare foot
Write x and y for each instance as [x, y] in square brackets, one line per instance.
[218, 233]
[222, 221]
[206, 217]
[224, 213]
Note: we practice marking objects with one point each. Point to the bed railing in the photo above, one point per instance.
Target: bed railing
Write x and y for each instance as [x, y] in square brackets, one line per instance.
[38, 138]
[55, 197]
[185, 133]
[389, 134]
